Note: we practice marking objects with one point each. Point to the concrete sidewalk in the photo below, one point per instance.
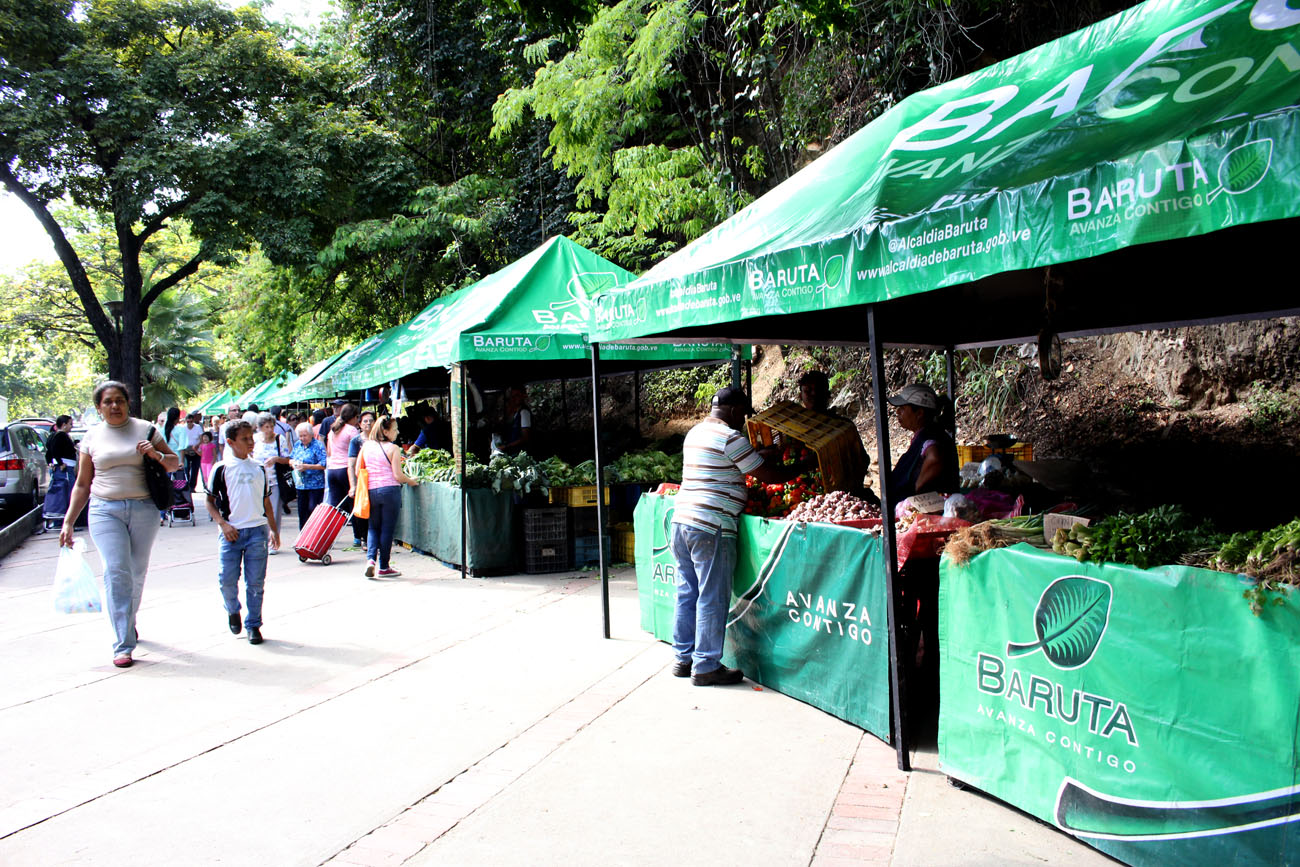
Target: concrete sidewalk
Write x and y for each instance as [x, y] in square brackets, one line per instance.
[433, 720]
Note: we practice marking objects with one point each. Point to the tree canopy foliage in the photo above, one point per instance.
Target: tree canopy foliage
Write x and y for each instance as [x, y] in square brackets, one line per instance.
[152, 110]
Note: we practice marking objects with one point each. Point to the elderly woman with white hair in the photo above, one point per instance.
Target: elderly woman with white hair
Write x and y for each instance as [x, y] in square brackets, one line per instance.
[270, 449]
[308, 462]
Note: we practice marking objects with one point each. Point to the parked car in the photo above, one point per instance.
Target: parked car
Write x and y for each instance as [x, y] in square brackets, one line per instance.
[43, 424]
[24, 476]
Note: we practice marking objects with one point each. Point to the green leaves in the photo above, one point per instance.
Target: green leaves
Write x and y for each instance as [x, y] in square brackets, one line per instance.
[1070, 620]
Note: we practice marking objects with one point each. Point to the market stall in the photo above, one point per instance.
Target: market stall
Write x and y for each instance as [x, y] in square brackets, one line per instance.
[298, 389]
[1115, 179]
[795, 626]
[1148, 712]
[524, 323]
[256, 393]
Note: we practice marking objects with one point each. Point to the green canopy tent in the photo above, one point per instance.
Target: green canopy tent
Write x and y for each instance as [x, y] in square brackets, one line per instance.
[217, 402]
[1079, 188]
[257, 393]
[299, 388]
[537, 311]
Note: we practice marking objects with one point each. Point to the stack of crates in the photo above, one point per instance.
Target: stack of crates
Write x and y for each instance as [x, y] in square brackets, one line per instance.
[834, 440]
[546, 540]
[584, 531]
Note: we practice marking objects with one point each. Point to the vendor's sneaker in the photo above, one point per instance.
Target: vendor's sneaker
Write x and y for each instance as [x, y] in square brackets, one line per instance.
[370, 568]
[123, 660]
[721, 676]
[272, 550]
[387, 573]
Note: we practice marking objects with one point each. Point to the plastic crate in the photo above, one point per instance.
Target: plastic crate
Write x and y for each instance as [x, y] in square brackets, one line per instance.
[540, 557]
[549, 524]
[585, 552]
[578, 498]
[1017, 452]
[834, 440]
[624, 544]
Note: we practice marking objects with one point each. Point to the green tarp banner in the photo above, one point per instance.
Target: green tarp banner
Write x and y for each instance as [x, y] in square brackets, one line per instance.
[1148, 713]
[1172, 119]
[808, 615]
[430, 522]
[537, 308]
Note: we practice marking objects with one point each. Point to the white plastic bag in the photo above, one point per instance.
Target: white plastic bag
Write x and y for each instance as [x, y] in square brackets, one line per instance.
[75, 588]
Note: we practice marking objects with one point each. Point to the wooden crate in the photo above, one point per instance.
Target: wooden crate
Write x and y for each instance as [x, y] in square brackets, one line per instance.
[834, 440]
[1017, 452]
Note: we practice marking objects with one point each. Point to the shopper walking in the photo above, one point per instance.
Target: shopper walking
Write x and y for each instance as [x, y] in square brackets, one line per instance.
[360, 526]
[241, 506]
[193, 461]
[341, 432]
[382, 461]
[110, 477]
[308, 462]
[269, 452]
[207, 457]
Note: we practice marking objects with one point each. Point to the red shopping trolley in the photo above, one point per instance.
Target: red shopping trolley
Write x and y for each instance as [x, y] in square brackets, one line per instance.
[322, 528]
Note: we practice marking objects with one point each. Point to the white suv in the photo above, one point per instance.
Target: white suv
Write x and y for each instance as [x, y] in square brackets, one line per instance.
[24, 475]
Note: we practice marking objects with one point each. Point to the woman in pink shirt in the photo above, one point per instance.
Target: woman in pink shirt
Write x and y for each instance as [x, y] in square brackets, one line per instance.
[336, 453]
[382, 460]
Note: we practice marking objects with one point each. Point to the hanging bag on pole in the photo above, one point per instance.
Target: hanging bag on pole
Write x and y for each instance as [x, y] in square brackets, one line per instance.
[361, 501]
[157, 480]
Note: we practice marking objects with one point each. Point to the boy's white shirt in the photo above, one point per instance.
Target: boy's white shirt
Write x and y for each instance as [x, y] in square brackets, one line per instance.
[246, 487]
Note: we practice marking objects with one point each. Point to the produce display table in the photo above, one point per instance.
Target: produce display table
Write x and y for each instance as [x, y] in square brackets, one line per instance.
[1147, 712]
[430, 522]
[808, 615]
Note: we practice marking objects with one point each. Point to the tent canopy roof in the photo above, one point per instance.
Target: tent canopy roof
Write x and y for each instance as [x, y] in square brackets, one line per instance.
[1169, 121]
[536, 309]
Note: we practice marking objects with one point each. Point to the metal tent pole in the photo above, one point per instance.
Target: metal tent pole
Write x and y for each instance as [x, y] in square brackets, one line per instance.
[897, 678]
[464, 500]
[735, 366]
[600, 486]
[749, 380]
[564, 404]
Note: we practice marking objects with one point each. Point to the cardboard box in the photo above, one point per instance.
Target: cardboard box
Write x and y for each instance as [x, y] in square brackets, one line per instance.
[1054, 522]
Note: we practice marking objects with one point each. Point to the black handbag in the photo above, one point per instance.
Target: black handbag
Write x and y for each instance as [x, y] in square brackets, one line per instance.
[157, 480]
[284, 476]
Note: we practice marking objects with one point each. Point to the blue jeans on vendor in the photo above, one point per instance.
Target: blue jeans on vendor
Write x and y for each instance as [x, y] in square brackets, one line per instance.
[705, 562]
[123, 532]
[249, 550]
[385, 503]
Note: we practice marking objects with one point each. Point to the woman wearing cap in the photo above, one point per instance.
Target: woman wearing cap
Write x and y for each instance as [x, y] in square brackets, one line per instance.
[930, 462]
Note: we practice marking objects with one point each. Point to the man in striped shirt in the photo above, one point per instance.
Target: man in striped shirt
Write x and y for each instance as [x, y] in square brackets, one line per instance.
[715, 459]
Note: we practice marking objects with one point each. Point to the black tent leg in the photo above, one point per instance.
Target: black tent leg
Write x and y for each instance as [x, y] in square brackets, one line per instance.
[464, 501]
[735, 366]
[749, 380]
[897, 677]
[600, 486]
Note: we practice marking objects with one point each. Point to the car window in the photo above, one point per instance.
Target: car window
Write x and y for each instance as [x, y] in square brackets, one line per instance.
[26, 438]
